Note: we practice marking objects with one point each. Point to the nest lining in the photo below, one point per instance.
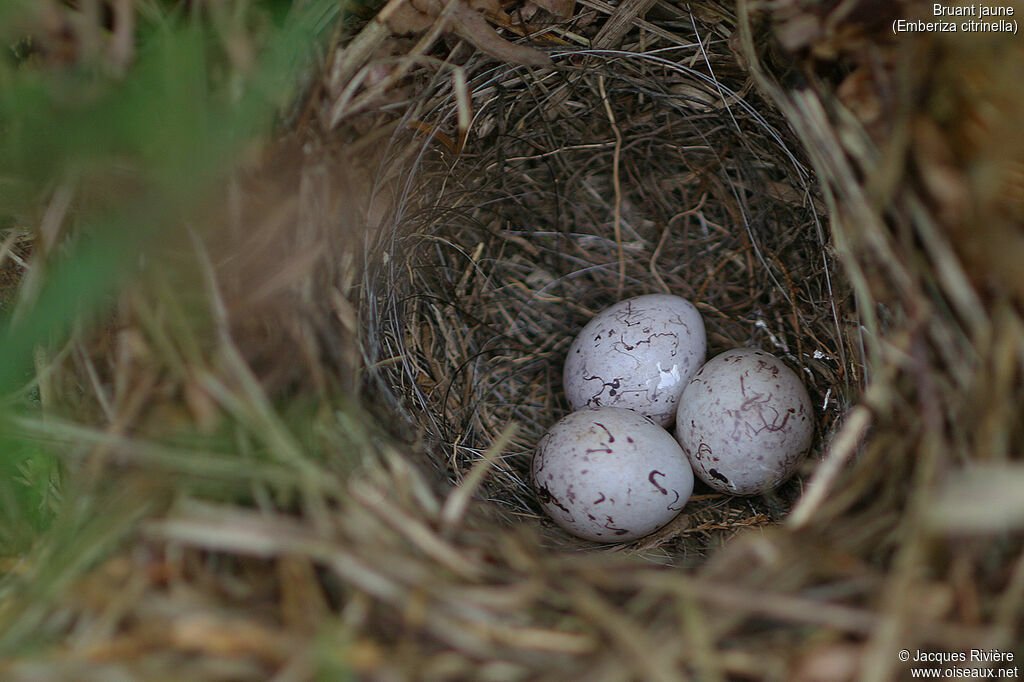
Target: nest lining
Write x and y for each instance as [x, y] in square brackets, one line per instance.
[613, 175]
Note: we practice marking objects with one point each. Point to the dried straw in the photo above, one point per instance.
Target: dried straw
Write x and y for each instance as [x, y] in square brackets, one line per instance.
[395, 537]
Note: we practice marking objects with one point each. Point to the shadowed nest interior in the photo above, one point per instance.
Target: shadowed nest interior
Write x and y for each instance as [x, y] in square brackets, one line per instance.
[612, 175]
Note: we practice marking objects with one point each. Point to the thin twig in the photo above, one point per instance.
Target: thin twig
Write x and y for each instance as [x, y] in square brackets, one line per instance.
[616, 183]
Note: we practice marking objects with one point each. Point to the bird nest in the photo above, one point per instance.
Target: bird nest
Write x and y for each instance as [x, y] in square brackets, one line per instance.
[613, 174]
[709, 165]
[325, 475]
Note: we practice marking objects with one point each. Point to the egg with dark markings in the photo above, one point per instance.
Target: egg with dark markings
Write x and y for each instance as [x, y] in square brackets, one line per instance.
[745, 421]
[610, 475]
[637, 354]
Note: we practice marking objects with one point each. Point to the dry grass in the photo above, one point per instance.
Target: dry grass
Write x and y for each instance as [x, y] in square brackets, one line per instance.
[511, 204]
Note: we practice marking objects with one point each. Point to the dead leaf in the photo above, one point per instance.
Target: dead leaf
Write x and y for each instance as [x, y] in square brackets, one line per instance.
[471, 25]
[562, 9]
[407, 19]
[859, 93]
[466, 19]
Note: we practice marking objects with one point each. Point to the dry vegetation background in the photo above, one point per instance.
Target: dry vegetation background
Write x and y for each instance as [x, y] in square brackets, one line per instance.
[277, 408]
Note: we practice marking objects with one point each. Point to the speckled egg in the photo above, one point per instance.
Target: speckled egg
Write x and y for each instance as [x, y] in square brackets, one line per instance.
[637, 354]
[745, 422]
[611, 475]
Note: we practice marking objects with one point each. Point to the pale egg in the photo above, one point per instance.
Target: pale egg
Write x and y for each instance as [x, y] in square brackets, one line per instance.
[637, 354]
[745, 422]
[610, 474]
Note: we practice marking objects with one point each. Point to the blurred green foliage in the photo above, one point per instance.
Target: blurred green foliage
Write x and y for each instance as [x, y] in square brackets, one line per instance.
[28, 493]
[141, 147]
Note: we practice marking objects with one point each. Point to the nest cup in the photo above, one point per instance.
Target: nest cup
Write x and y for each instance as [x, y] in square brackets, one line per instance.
[614, 174]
